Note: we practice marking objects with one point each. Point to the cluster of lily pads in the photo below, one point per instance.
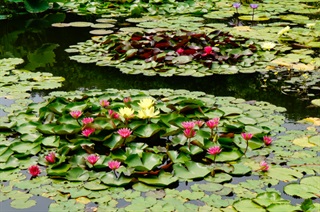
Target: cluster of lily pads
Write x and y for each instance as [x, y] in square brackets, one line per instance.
[177, 53]
[156, 139]
[84, 145]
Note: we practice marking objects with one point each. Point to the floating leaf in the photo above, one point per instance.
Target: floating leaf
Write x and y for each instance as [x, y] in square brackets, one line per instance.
[190, 170]
[307, 188]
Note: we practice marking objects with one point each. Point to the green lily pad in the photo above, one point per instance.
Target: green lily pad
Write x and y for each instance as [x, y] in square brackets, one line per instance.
[163, 179]
[307, 188]
[190, 170]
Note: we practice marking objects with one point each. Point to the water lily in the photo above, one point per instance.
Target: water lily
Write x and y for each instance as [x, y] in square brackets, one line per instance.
[264, 166]
[148, 113]
[189, 133]
[104, 103]
[254, 6]
[75, 113]
[127, 99]
[213, 123]
[207, 51]
[146, 103]
[268, 45]
[51, 157]
[247, 137]
[284, 31]
[267, 140]
[87, 120]
[93, 158]
[88, 131]
[126, 112]
[113, 114]
[114, 164]
[214, 150]
[236, 5]
[199, 123]
[34, 170]
[188, 124]
[180, 51]
[124, 132]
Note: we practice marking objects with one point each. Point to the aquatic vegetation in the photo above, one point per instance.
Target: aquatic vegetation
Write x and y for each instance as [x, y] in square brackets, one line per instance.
[172, 53]
[174, 139]
[89, 167]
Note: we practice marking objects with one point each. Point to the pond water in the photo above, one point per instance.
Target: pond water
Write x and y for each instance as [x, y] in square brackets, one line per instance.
[31, 35]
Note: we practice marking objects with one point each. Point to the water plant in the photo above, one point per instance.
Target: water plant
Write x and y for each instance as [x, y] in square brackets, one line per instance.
[156, 148]
[168, 53]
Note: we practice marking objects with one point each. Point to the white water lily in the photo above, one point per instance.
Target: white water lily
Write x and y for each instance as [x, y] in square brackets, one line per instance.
[284, 30]
[268, 45]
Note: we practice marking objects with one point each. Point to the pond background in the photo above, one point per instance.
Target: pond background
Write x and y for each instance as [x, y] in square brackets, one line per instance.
[28, 35]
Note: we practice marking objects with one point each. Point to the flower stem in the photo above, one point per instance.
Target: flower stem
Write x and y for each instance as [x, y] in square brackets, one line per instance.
[246, 147]
[115, 174]
[252, 16]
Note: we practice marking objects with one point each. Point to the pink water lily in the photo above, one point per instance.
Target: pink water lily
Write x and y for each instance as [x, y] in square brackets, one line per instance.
[199, 123]
[88, 131]
[127, 99]
[51, 157]
[34, 170]
[75, 113]
[207, 51]
[264, 166]
[189, 133]
[213, 123]
[124, 132]
[180, 51]
[113, 114]
[104, 103]
[114, 164]
[246, 136]
[188, 124]
[267, 140]
[214, 150]
[92, 159]
[87, 120]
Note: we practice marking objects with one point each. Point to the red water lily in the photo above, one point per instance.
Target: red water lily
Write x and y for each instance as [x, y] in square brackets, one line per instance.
[34, 170]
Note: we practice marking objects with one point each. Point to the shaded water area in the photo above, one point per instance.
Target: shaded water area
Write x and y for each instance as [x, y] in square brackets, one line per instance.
[20, 37]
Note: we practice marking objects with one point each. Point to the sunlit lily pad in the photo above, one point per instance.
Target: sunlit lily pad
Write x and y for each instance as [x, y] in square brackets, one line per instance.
[100, 32]
[80, 24]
